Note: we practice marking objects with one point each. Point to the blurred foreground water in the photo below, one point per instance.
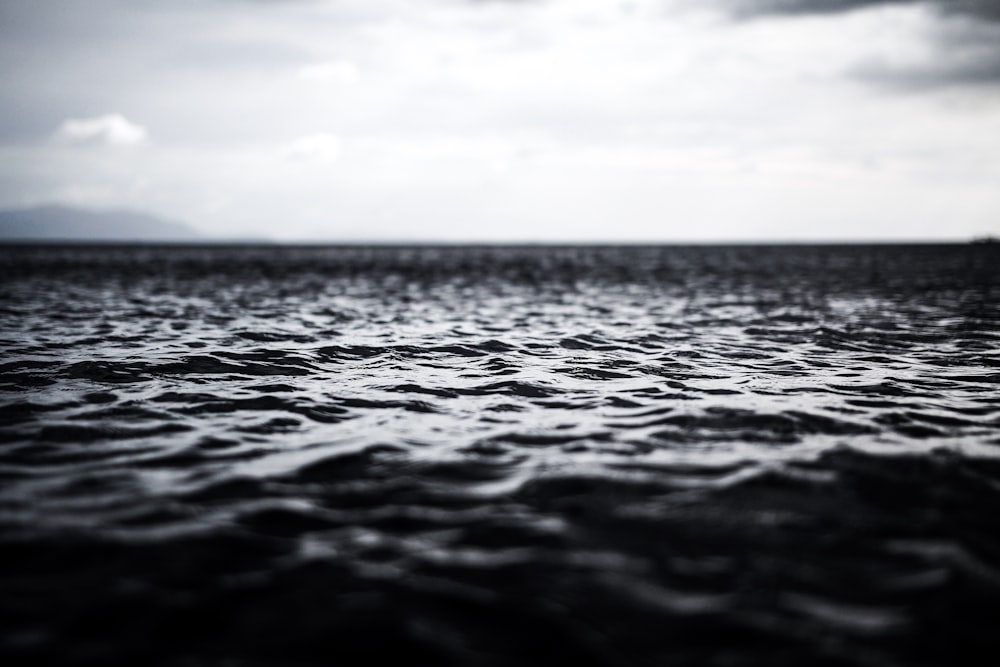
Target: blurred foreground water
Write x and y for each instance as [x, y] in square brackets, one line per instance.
[500, 456]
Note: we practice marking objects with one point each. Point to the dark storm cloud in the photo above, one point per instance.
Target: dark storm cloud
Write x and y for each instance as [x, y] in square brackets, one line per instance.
[965, 42]
[987, 9]
[984, 9]
[965, 54]
[751, 8]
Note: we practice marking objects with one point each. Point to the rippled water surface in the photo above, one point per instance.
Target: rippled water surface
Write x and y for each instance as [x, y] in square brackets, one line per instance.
[500, 456]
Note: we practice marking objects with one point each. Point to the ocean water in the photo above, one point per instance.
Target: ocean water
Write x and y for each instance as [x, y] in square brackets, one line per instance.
[609, 456]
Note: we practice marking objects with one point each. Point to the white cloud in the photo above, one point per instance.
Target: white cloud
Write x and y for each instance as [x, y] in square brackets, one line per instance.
[322, 147]
[563, 119]
[334, 71]
[109, 130]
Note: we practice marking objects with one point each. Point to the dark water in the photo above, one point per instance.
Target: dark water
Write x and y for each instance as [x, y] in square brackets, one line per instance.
[500, 456]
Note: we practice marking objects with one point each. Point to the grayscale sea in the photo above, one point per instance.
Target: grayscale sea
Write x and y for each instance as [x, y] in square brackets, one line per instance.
[254, 456]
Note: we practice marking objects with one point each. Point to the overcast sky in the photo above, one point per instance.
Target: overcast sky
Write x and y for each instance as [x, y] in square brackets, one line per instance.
[531, 120]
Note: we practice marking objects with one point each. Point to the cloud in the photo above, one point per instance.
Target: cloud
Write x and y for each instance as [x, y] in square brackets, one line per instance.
[962, 40]
[983, 9]
[640, 119]
[321, 148]
[962, 53]
[108, 130]
[753, 8]
[335, 71]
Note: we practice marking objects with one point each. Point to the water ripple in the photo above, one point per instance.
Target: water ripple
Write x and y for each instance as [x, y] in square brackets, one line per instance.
[538, 456]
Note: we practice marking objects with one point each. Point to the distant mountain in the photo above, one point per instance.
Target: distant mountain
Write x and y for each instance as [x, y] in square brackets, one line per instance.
[63, 223]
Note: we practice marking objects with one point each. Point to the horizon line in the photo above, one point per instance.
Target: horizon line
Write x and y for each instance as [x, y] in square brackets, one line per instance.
[987, 239]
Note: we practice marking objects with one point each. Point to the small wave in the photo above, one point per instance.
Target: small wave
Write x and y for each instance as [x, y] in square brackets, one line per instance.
[486, 456]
